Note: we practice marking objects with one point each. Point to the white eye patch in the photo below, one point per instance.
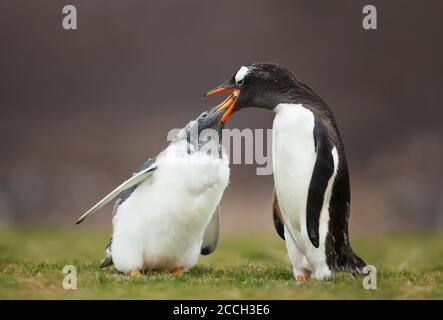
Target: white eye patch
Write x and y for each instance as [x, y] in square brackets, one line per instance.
[241, 74]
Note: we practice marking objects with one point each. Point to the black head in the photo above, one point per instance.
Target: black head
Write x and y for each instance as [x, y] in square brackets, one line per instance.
[264, 85]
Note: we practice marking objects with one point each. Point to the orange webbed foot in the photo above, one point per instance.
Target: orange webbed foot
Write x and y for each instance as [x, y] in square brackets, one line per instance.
[301, 278]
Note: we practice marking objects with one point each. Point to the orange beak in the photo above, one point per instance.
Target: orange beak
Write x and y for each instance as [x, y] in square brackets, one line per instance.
[228, 103]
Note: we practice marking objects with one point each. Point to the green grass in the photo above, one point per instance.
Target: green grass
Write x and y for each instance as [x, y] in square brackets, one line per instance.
[255, 266]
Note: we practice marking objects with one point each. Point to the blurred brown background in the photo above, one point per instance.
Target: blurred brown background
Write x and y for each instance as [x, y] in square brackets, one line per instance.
[80, 109]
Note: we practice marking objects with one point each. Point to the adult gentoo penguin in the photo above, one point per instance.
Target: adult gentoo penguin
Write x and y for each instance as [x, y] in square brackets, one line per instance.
[167, 213]
[312, 194]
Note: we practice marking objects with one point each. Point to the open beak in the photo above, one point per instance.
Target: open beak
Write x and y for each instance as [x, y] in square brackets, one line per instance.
[228, 103]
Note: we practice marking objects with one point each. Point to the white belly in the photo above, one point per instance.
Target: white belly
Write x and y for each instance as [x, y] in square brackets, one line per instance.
[161, 225]
[293, 160]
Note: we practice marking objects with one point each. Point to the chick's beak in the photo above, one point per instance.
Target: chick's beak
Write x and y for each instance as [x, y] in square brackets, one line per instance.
[229, 103]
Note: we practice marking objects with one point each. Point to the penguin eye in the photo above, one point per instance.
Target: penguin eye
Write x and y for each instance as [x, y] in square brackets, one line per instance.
[204, 115]
[239, 82]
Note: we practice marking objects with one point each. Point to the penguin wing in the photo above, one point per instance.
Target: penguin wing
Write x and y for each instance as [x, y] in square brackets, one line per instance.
[210, 237]
[126, 193]
[323, 170]
[277, 218]
[141, 174]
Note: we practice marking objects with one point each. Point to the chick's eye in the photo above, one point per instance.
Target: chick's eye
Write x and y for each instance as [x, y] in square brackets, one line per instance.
[239, 82]
[204, 115]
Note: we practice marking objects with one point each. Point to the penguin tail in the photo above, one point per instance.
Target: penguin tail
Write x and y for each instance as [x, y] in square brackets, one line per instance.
[108, 260]
[355, 265]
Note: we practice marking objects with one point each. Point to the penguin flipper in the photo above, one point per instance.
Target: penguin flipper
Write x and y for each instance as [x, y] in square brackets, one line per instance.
[127, 193]
[210, 237]
[323, 170]
[131, 182]
[276, 215]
